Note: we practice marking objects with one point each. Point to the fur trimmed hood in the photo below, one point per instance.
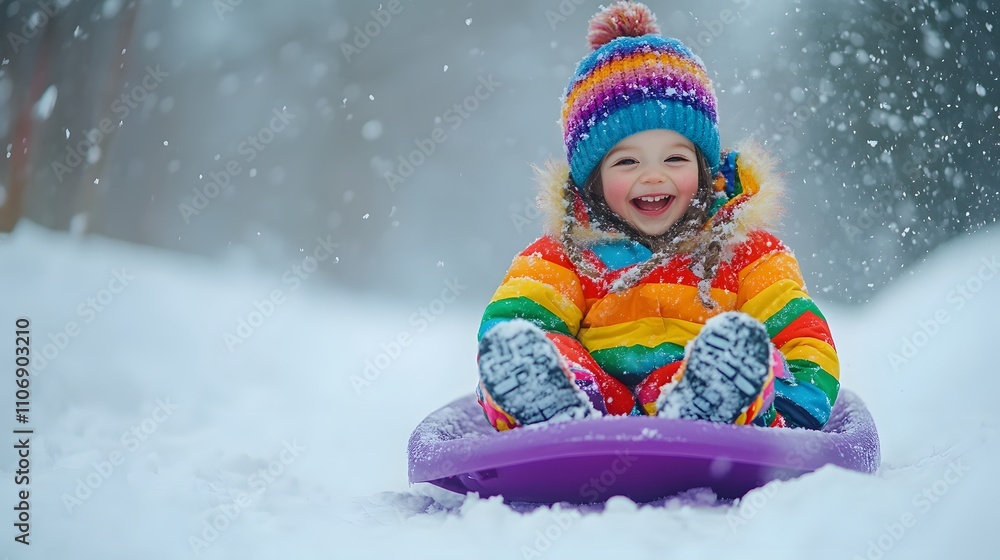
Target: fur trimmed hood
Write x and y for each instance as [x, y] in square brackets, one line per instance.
[748, 197]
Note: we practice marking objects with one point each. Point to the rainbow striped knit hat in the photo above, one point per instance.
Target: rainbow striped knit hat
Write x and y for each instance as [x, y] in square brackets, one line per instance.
[635, 80]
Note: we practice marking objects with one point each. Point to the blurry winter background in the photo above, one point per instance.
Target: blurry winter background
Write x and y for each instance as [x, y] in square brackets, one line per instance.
[170, 166]
[884, 115]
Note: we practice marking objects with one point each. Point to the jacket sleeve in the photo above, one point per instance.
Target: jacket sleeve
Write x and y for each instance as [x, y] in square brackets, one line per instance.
[542, 286]
[771, 289]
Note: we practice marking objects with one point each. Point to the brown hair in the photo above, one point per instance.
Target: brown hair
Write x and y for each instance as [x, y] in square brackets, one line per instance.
[704, 258]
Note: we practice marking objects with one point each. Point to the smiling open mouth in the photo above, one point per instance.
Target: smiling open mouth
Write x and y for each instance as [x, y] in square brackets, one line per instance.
[652, 203]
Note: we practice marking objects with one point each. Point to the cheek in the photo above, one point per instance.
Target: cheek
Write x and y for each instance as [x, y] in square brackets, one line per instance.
[687, 184]
[616, 189]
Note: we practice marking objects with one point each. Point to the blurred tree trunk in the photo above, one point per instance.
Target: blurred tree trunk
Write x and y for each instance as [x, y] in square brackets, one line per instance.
[51, 58]
[23, 133]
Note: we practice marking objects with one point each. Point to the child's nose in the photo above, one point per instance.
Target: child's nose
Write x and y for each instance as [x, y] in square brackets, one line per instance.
[653, 176]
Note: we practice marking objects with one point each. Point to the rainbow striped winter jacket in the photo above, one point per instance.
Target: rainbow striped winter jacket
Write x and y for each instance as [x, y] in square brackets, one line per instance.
[600, 314]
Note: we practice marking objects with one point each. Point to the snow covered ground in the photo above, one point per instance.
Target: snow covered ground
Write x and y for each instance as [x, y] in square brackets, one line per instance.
[152, 422]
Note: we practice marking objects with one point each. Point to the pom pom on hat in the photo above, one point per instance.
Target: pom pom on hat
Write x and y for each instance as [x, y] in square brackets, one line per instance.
[621, 19]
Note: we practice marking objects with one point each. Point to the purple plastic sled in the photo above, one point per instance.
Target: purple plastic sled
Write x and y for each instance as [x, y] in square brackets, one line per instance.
[642, 458]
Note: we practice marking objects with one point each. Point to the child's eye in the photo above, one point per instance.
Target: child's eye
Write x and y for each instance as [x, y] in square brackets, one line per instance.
[626, 161]
[675, 159]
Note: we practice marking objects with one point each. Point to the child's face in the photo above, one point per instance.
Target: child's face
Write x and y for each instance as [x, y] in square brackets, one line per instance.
[650, 178]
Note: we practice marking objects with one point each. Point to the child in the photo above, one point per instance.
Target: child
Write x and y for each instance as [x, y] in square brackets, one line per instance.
[658, 288]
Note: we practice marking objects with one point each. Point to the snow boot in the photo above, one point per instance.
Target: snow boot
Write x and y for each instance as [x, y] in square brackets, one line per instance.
[727, 364]
[521, 371]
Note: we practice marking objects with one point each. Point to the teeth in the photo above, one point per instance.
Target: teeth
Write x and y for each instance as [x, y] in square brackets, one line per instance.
[653, 198]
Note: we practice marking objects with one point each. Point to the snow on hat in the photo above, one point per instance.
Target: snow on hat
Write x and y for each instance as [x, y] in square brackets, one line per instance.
[635, 80]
